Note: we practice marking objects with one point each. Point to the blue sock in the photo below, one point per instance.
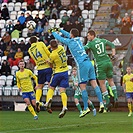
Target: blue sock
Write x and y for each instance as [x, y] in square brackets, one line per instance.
[98, 93]
[85, 99]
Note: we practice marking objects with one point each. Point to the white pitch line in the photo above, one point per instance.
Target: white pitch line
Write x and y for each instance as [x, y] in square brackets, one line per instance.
[55, 127]
[45, 128]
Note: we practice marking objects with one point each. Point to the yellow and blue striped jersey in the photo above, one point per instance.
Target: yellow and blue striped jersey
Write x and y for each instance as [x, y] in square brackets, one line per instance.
[127, 81]
[24, 80]
[39, 53]
[58, 59]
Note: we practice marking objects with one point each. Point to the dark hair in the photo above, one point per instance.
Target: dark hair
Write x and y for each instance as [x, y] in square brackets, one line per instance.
[74, 32]
[22, 60]
[92, 32]
[53, 43]
[33, 39]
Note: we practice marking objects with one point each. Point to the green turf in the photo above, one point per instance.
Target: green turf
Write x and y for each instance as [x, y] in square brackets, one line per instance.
[22, 122]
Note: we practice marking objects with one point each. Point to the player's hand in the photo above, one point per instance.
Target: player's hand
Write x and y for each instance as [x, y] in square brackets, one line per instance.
[36, 87]
[57, 29]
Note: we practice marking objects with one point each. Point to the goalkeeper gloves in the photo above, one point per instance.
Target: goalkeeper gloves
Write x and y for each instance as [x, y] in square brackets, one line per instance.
[54, 29]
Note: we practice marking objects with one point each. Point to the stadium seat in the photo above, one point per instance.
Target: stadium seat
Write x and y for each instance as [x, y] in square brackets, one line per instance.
[15, 22]
[57, 23]
[16, 39]
[106, 31]
[87, 23]
[69, 12]
[3, 5]
[52, 22]
[82, 39]
[26, 58]
[123, 11]
[116, 30]
[27, 40]
[17, 6]
[14, 69]
[7, 90]
[85, 14]
[28, 11]
[11, 6]
[35, 70]
[3, 58]
[20, 39]
[81, 5]
[45, 90]
[34, 13]
[7, 22]
[19, 14]
[83, 33]
[69, 92]
[40, 14]
[85, 29]
[25, 32]
[2, 80]
[2, 23]
[24, 6]
[69, 69]
[3, 31]
[92, 14]
[95, 5]
[62, 13]
[13, 15]
[1, 90]
[9, 80]
[15, 91]
[37, 5]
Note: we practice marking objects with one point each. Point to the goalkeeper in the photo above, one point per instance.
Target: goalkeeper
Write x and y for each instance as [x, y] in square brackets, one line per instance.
[85, 68]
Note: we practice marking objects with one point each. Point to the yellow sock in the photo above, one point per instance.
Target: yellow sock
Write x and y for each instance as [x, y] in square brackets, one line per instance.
[38, 94]
[50, 94]
[31, 109]
[64, 99]
[130, 107]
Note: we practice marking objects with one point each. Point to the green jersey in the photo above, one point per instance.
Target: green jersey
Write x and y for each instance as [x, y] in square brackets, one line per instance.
[75, 80]
[98, 47]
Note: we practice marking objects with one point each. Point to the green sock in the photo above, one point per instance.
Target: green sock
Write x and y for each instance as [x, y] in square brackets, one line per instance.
[106, 96]
[114, 92]
[79, 107]
[92, 105]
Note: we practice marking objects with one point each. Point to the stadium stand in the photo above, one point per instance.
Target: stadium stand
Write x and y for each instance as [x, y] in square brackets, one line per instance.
[97, 17]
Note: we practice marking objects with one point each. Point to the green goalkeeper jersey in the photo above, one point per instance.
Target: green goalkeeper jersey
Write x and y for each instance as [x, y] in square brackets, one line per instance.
[98, 47]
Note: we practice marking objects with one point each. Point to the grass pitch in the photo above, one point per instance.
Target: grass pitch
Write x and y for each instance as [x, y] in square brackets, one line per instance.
[22, 122]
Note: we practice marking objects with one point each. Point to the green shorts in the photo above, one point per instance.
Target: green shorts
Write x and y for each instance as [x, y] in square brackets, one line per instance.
[77, 96]
[104, 70]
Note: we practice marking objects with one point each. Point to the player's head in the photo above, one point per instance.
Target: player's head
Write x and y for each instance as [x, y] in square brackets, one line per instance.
[53, 44]
[74, 71]
[128, 70]
[33, 39]
[21, 64]
[74, 33]
[91, 35]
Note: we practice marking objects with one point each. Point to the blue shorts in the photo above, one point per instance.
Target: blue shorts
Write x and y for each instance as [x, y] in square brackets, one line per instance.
[60, 79]
[30, 95]
[86, 71]
[44, 75]
[129, 95]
